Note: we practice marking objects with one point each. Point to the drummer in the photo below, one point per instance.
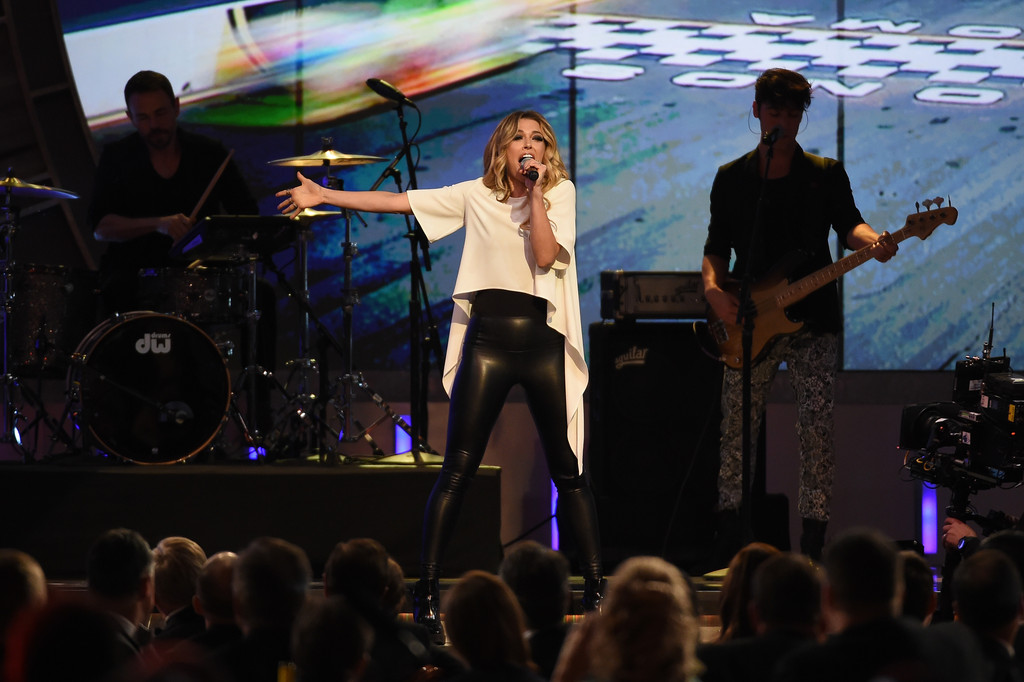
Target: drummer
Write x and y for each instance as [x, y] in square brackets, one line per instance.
[146, 196]
[147, 188]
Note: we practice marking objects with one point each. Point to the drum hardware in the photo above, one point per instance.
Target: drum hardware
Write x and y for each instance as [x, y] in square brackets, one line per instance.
[308, 409]
[16, 394]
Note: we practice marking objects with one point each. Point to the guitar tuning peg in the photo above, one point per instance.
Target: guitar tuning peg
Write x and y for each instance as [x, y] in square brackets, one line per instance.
[938, 201]
[927, 203]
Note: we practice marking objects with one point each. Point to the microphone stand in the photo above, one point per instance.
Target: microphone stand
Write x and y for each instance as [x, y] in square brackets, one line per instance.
[745, 317]
[418, 363]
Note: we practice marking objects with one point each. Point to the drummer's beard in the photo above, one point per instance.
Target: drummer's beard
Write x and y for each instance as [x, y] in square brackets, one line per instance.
[159, 138]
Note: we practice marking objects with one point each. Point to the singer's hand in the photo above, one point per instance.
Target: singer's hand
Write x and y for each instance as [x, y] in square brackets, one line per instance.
[306, 195]
[531, 164]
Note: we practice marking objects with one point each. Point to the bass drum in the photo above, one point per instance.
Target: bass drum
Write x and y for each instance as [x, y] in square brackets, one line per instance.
[151, 388]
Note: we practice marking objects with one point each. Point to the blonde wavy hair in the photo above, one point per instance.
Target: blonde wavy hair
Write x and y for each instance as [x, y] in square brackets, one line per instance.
[496, 164]
[648, 629]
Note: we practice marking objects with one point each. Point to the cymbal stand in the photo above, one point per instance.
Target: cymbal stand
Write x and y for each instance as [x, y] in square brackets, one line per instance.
[8, 226]
[14, 389]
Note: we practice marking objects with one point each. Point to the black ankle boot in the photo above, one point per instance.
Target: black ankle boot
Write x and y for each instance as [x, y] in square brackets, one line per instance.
[594, 590]
[426, 607]
[812, 539]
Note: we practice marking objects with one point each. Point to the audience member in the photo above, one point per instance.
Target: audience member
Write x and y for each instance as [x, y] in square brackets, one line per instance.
[539, 578]
[988, 601]
[330, 641]
[785, 613]
[214, 601]
[67, 640]
[271, 582]
[919, 599]
[360, 570]
[22, 590]
[486, 628]
[119, 576]
[734, 599]
[647, 631]
[1011, 543]
[861, 599]
[178, 562]
[396, 599]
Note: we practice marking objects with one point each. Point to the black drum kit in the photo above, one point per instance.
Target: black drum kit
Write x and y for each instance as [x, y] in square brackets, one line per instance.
[153, 386]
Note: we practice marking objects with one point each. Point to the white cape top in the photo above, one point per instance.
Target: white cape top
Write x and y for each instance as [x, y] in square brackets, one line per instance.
[497, 255]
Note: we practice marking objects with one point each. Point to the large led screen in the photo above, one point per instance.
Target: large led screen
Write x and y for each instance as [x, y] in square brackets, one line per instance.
[920, 101]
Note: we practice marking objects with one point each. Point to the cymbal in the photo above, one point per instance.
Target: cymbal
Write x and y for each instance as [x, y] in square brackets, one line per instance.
[327, 157]
[18, 188]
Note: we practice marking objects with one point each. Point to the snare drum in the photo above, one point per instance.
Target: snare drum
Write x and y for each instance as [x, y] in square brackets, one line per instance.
[150, 388]
[51, 309]
[201, 295]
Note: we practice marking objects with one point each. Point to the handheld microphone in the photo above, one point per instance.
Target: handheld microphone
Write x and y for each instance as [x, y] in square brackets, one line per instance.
[770, 137]
[388, 91]
[532, 173]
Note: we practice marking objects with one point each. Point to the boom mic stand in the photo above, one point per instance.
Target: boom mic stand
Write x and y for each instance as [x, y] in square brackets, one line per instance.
[419, 306]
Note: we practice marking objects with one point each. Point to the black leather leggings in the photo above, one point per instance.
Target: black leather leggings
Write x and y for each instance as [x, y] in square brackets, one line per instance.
[499, 352]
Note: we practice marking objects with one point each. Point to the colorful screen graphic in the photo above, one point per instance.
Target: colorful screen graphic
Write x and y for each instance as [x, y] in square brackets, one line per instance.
[648, 99]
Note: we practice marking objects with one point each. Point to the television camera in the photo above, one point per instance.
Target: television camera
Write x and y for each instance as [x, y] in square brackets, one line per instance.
[974, 442]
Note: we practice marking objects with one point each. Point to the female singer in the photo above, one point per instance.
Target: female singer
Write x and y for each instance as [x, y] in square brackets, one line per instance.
[516, 321]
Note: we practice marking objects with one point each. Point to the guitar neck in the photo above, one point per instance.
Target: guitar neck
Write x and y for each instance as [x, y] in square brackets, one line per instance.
[805, 286]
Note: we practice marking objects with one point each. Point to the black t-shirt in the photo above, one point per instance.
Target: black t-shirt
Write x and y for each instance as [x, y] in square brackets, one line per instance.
[128, 185]
[799, 210]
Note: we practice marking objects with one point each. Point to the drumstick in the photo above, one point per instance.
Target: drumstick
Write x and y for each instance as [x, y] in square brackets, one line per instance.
[209, 188]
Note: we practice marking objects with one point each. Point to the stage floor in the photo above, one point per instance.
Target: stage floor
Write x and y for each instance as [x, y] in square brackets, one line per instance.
[55, 512]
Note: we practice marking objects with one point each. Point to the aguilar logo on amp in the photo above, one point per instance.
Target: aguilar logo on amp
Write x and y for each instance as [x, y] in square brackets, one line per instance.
[152, 342]
[633, 356]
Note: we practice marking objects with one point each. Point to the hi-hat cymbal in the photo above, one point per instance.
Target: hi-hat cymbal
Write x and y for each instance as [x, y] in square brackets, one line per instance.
[327, 157]
[18, 188]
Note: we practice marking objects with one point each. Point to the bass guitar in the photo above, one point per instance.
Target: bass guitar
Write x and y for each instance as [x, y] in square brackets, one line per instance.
[773, 294]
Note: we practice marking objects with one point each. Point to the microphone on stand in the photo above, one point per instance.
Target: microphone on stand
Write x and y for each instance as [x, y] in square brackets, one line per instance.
[770, 137]
[388, 91]
[532, 173]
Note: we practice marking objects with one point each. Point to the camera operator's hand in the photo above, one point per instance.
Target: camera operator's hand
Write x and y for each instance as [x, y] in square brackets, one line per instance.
[955, 530]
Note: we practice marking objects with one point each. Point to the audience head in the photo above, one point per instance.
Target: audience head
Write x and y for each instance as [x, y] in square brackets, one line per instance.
[734, 600]
[68, 639]
[396, 595]
[358, 569]
[119, 572]
[864, 575]
[786, 593]
[647, 629]
[177, 562]
[987, 592]
[918, 587]
[1010, 543]
[213, 598]
[539, 578]
[330, 641]
[271, 582]
[484, 622]
[22, 586]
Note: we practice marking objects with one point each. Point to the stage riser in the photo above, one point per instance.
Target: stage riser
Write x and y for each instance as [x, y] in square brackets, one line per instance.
[55, 513]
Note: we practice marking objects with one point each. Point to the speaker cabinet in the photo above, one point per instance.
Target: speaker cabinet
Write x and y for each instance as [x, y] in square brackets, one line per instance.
[654, 440]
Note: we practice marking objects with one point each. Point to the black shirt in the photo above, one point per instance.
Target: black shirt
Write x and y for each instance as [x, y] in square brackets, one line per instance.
[799, 210]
